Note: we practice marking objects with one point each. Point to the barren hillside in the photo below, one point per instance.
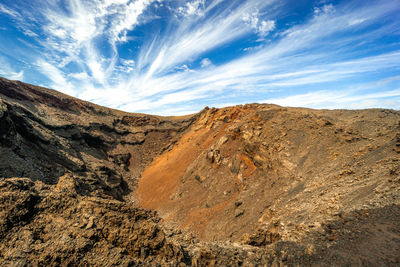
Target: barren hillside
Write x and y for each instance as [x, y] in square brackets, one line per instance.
[250, 185]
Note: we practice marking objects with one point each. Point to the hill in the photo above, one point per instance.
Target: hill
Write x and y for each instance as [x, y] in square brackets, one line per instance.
[248, 185]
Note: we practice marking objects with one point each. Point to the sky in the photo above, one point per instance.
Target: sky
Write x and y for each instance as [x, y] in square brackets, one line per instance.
[173, 57]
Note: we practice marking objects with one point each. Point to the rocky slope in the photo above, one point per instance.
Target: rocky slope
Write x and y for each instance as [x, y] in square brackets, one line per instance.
[249, 185]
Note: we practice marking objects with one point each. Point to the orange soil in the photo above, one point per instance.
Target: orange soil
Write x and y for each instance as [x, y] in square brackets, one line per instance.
[198, 219]
[162, 177]
[250, 166]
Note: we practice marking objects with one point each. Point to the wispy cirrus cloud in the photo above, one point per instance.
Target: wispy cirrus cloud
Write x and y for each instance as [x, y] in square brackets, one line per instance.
[56, 76]
[11, 74]
[177, 56]
[7, 70]
[262, 27]
[195, 7]
[344, 99]
[8, 11]
[193, 38]
[277, 64]
[75, 34]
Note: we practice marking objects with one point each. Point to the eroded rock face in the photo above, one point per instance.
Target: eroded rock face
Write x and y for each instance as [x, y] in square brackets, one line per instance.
[81, 162]
[45, 134]
[250, 185]
[53, 224]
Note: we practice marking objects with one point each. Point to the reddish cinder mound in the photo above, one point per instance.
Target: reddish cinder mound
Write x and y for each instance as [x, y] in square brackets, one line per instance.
[161, 180]
[241, 169]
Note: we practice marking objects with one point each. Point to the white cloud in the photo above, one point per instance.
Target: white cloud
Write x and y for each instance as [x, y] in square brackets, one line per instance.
[18, 20]
[9, 11]
[376, 103]
[17, 75]
[205, 62]
[356, 21]
[79, 76]
[56, 76]
[261, 27]
[29, 33]
[9, 72]
[12, 75]
[340, 99]
[127, 65]
[72, 35]
[266, 27]
[192, 39]
[128, 18]
[192, 8]
[311, 99]
[128, 62]
[184, 67]
[325, 9]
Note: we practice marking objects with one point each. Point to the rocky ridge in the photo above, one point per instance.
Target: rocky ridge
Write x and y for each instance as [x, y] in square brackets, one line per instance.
[247, 185]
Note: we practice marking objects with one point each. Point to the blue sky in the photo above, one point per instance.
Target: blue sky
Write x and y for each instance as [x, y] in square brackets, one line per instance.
[173, 57]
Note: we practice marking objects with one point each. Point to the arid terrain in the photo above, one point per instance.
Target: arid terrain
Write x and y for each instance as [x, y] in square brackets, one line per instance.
[250, 185]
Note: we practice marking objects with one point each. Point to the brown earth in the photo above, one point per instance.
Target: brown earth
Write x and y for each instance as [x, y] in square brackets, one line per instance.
[250, 185]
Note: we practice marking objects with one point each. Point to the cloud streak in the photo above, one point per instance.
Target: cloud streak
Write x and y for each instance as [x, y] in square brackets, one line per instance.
[346, 99]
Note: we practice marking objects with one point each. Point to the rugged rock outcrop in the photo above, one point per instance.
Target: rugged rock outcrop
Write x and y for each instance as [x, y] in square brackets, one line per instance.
[249, 185]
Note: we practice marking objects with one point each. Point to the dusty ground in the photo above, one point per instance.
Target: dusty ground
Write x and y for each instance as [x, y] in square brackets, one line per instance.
[249, 185]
